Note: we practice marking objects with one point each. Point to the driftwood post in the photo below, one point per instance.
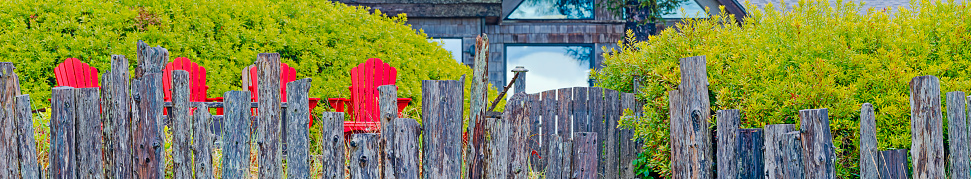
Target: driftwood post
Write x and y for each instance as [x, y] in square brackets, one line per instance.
[236, 141]
[893, 164]
[62, 163]
[727, 128]
[120, 147]
[606, 163]
[88, 133]
[585, 155]
[406, 138]
[442, 124]
[364, 151]
[388, 106]
[957, 133]
[520, 86]
[479, 100]
[179, 115]
[202, 141]
[750, 153]
[926, 128]
[28, 149]
[581, 120]
[298, 133]
[147, 127]
[332, 144]
[268, 131]
[868, 142]
[517, 116]
[817, 143]
[495, 160]
[548, 110]
[783, 152]
[693, 158]
[9, 89]
[564, 129]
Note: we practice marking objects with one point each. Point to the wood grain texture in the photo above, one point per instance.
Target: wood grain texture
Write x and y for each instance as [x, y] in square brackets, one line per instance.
[406, 146]
[581, 119]
[695, 111]
[236, 137]
[332, 145]
[298, 133]
[148, 137]
[957, 134]
[442, 128]
[783, 154]
[926, 128]
[555, 163]
[727, 130]
[364, 151]
[893, 164]
[517, 117]
[627, 147]
[564, 128]
[202, 142]
[88, 133]
[868, 142]
[535, 136]
[29, 168]
[595, 95]
[181, 125]
[792, 159]
[478, 104]
[388, 106]
[496, 158]
[750, 153]
[817, 143]
[268, 144]
[584, 155]
[119, 149]
[548, 115]
[62, 163]
[9, 89]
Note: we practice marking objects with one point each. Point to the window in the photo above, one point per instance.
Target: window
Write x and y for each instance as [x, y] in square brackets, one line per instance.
[553, 9]
[452, 45]
[551, 66]
[691, 10]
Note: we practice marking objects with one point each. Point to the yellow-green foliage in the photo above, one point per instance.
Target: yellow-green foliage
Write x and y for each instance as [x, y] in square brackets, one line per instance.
[814, 55]
[323, 40]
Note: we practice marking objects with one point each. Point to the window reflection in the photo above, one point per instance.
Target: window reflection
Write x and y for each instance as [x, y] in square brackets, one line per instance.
[691, 10]
[454, 46]
[553, 9]
[551, 67]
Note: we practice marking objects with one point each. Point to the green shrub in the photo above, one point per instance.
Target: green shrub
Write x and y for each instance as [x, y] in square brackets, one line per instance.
[814, 55]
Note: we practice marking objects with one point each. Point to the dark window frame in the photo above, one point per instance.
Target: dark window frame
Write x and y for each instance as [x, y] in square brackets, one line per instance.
[461, 46]
[592, 17]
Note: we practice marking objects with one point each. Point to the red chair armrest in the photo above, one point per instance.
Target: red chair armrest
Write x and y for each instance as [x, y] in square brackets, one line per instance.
[216, 99]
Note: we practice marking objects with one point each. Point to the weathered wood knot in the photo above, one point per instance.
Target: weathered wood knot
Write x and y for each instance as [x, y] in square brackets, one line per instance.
[335, 139]
[363, 161]
[353, 144]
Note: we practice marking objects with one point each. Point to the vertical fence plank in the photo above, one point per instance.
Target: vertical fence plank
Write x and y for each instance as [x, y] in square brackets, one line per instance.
[548, 112]
[596, 110]
[9, 89]
[584, 155]
[120, 147]
[364, 156]
[62, 163]
[555, 163]
[298, 133]
[478, 102]
[442, 124]
[179, 117]
[388, 101]
[750, 153]
[496, 158]
[517, 116]
[868, 142]
[957, 133]
[696, 112]
[202, 141]
[564, 127]
[727, 131]
[535, 141]
[680, 163]
[791, 147]
[28, 149]
[581, 120]
[148, 137]
[926, 128]
[817, 143]
[332, 144]
[406, 139]
[783, 156]
[268, 131]
[626, 149]
[893, 164]
[236, 141]
[88, 122]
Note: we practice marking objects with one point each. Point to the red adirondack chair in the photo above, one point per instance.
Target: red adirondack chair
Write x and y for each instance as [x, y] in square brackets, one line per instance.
[363, 105]
[287, 74]
[74, 73]
[197, 78]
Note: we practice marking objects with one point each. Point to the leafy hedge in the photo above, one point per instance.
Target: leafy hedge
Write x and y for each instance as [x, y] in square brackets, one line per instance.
[814, 55]
[323, 40]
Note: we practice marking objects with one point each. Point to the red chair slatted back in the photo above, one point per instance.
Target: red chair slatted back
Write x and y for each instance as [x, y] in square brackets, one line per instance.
[74, 73]
[287, 74]
[365, 79]
[197, 78]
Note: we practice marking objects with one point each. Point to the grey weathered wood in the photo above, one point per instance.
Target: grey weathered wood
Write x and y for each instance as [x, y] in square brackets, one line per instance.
[893, 164]
[364, 151]
[62, 162]
[868, 142]
[957, 134]
[298, 133]
[27, 144]
[516, 116]
[926, 128]
[332, 144]
[783, 154]
[147, 135]
[150, 59]
[236, 138]
[388, 106]
[478, 102]
[202, 142]
[695, 114]
[119, 149]
[88, 122]
[496, 158]
[680, 159]
[555, 162]
[181, 125]
[520, 74]
[581, 119]
[442, 128]
[791, 147]
[406, 139]
[727, 131]
[564, 128]
[750, 153]
[584, 155]
[268, 142]
[9, 89]
[627, 149]
[535, 136]
[596, 110]
[817, 143]
[548, 112]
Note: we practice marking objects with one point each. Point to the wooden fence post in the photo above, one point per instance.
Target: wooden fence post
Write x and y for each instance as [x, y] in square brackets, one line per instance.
[61, 156]
[627, 148]
[893, 164]
[88, 122]
[548, 110]
[926, 128]
[268, 128]
[520, 86]
[496, 158]
[957, 133]
[119, 147]
[783, 152]
[148, 137]
[298, 133]
[695, 157]
[564, 127]
[236, 141]
[332, 144]
[442, 124]
[727, 131]
[203, 140]
[868, 143]
[535, 141]
[581, 120]
[364, 151]
[603, 125]
[750, 153]
[584, 155]
[406, 139]
[516, 116]
[179, 117]
[478, 103]
[388, 102]
[9, 89]
[817, 143]
[29, 167]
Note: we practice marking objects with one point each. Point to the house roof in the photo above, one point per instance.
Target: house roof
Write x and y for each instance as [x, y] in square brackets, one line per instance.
[891, 5]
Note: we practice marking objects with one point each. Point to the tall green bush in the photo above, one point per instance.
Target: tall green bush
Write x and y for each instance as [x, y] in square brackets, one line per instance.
[813, 55]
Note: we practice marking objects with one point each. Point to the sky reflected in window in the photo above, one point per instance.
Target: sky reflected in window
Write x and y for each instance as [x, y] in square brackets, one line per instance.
[453, 46]
[691, 9]
[553, 9]
[551, 67]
